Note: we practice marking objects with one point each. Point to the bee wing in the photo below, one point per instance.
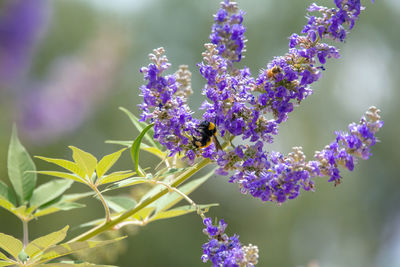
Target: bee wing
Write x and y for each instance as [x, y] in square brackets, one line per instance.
[216, 142]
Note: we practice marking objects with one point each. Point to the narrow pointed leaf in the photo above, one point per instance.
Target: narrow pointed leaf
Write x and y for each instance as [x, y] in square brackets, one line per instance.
[143, 214]
[71, 263]
[6, 263]
[120, 203]
[153, 150]
[140, 126]
[66, 164]
[179, 211]
[135, 150]
[4, 203]
[42, 243]
[59, 206]
[64, 175]
[128, 182]
[77, 196]
[68, 248]
[170, 171]
[49, 191]
[120, 142]
[92, 223]
[11, 245]
[3, 257]
[107, 162]
[62, 203]
[20, 167]
[170, 199]
[116, 176]
[86, 161]
[7, 193]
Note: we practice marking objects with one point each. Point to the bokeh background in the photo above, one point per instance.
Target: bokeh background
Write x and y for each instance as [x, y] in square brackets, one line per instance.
[67, 65]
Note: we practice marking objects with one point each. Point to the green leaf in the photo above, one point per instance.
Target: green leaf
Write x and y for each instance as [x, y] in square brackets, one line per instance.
[128, 182]
[120, 142]
[116, 176]
[107, 162]
[92, 223]
[7, 193]
[170, 171]
[66, 164]
[7, 205]
[120, 203]
[179, 211]
[72, 263]
[65, 175]
[62, 203]
[59, 206]
[3, 257]
[86, 161]
[68, 248]
[42, 243]
[170, 199]
[11, 245]
[135, 150]
[49, 191]
[140, 126]
[6, 263]
[153, 150]
[19, 166]
[142, 214]
[77, 196]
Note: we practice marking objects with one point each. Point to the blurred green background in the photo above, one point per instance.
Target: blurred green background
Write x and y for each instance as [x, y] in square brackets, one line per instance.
[75, 62]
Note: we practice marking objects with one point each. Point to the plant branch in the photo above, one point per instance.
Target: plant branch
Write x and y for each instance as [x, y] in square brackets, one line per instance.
[25, 232]
[109, 224]
[186, 197]
[103, 201]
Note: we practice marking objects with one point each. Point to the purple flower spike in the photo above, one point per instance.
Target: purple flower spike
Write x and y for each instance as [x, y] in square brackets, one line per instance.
[223, 250]
[228, 32]
[164, 103]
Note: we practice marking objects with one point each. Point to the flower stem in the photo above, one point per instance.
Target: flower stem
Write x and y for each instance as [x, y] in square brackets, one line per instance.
[109, 224]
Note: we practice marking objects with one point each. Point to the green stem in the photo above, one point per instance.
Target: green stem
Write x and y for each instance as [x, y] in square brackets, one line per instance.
[187, 198]
[25, 232]
[109, 224]
[103, 201]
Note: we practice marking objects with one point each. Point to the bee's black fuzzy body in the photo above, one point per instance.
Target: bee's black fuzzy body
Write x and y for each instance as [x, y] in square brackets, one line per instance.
[207, 131]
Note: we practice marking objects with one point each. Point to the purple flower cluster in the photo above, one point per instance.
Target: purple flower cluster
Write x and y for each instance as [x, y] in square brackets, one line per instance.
[275, 177]
[254, 108]
[164, 104]
[349, 146]
[223, 250]
[227, 31]
[334, 23]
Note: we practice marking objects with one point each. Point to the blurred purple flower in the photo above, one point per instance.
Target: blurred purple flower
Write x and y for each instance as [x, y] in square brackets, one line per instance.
[22, 22]
[76, 83]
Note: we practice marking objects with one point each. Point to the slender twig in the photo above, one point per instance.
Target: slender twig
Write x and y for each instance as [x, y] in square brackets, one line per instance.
[25, 232]
[186, 197]
[103, 201]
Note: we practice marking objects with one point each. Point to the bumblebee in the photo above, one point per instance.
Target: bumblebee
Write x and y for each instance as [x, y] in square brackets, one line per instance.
[272, 72]
[207, 132]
